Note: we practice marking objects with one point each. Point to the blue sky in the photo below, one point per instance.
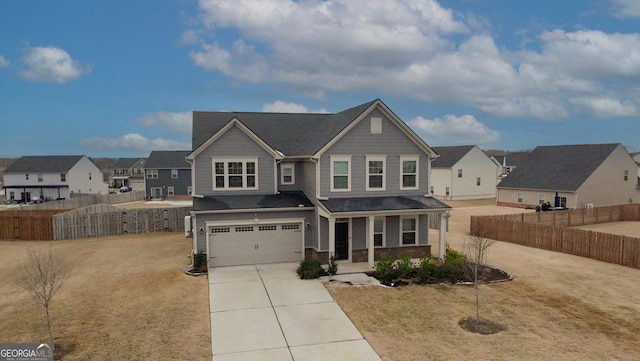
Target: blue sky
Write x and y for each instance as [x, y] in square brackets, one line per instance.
[120, 78]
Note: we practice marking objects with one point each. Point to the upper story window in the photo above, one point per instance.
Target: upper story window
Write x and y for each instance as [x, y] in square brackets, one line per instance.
[340, 173]
[376, 125]
[287, 174]
[409, 172]
[40, 178]
[478, 181]
[174, 173]
[63, 177]
[235, 174]
[626, 175]
[376, 173]
[152, 174]
[459, 173]
[120, 171]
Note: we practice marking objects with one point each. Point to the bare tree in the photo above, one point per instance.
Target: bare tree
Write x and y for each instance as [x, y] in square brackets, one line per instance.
[475, 251]
[42, 275]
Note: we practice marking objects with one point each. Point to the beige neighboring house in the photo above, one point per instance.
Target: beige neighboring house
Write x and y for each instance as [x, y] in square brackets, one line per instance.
[636, 157]
[128, 172]
[572, 176]
[463, 172]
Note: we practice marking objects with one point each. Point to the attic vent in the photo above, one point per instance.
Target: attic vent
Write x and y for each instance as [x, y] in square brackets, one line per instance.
[376, 125]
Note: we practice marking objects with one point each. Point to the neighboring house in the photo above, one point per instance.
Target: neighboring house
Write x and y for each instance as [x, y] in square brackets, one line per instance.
[636, 157]
[463, 172]
[282, 187]
[128, 172]
[508, 162]
[51, 177]
[168, 175]
[578, 175]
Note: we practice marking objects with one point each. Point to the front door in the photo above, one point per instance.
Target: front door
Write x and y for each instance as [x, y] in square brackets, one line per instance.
[342, 240]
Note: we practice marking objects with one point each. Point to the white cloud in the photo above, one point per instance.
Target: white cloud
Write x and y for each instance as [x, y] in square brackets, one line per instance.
[285, 107]
[418, 49]
[451, 129]
[135, 142]
[180, 122]
[4, 62]
[626, 8]
[50, 64]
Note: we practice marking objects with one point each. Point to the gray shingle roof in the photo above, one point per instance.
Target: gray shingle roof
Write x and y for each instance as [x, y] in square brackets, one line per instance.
[280, 200]
[290, 133]
[514, 159]
[392, 203]
[165, 159]
[558, 168]
[43, 164]
[126, 163]
[449, 156]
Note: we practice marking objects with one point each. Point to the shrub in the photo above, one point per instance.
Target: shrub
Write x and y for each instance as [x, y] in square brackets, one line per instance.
[427, 269]
[333, 266]
[385, 269]
[405, 267]
[454, 257]
[310, 268]
[200, 261]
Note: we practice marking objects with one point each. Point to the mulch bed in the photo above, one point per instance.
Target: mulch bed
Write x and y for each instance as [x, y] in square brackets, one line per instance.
[483, 327]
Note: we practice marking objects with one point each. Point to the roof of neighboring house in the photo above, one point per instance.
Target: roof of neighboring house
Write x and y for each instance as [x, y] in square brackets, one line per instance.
[514, 159]
[43, 164]
[225, 202]
[392, 203]
[288, 133]
[126, 163]
[561, 167]
[164, 159]
[449, 156]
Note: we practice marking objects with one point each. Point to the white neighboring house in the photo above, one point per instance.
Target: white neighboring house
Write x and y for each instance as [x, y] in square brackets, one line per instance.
[463, 172]
[51, 177]
[636, 157]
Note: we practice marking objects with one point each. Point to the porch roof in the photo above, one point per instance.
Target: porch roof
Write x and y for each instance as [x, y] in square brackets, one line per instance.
[377, 204]
[244, 202]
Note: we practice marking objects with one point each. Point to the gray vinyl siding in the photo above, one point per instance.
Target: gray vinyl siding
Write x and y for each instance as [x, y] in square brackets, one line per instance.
[233, 144]
[307, 180]
[358, 143]
[324, 234]
[164, 180]
[359, 233]
[201, 219]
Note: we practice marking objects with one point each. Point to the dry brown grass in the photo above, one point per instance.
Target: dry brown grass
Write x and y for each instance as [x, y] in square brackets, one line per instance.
[559, 307]
[126, 299]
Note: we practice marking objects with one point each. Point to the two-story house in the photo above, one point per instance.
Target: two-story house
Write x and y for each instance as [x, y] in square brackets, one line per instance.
[51, 177]
[168, 174]
[128, 172]
[270, 187]
[463, 172]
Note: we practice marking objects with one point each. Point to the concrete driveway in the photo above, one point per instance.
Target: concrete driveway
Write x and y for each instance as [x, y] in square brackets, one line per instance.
[264, 312]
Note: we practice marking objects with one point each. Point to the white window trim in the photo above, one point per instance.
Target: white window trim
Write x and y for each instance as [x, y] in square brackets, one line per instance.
[340, 158]
[291, 166]
[189, 190]
[410, 158]
[384, 231]
[171, 191]
[383, 159]
[415, 241]
[226, 162]
[520, 197]
[152, 174]
[174, 174]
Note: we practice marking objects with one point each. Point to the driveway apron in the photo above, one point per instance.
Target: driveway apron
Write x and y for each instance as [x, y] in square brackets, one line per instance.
[265, 313]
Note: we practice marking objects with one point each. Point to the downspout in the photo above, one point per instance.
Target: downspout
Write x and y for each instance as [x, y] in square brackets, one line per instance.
[276, 162]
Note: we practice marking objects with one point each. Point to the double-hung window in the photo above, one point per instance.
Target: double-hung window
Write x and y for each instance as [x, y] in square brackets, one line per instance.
[152, 174]
[287, 174]
[340, 173]
[409, 230]
[376, 173]
[235, 174]
[409, 172]
[174, 173]
[378, 232]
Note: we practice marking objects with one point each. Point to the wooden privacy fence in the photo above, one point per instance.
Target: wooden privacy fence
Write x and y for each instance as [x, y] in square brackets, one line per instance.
[106, 220]
[35, 225]
[548, 230]
[83, 200]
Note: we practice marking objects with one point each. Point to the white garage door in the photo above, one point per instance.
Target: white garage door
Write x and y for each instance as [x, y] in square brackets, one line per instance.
[254, 244]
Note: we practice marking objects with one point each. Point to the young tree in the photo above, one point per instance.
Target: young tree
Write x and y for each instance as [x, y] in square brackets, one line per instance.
[475, 251]
[42, 275]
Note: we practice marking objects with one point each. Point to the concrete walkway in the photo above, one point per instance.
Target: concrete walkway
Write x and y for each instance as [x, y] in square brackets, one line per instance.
[265, 313]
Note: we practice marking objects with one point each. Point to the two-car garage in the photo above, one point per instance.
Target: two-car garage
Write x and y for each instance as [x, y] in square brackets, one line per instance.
[255, 243]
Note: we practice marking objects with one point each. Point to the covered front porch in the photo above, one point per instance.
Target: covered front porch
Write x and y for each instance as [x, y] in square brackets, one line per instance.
[361, 230]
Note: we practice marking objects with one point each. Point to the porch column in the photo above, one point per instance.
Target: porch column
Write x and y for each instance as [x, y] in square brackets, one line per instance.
[332, 236]
[370, 240]
[443, 232]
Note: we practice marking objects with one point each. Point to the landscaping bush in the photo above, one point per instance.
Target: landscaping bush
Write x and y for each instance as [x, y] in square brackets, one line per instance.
[386, 270]
[427, 269]
[310, 269]
[200, 261]
[333, 266]
[405, 267]
[454, 257]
